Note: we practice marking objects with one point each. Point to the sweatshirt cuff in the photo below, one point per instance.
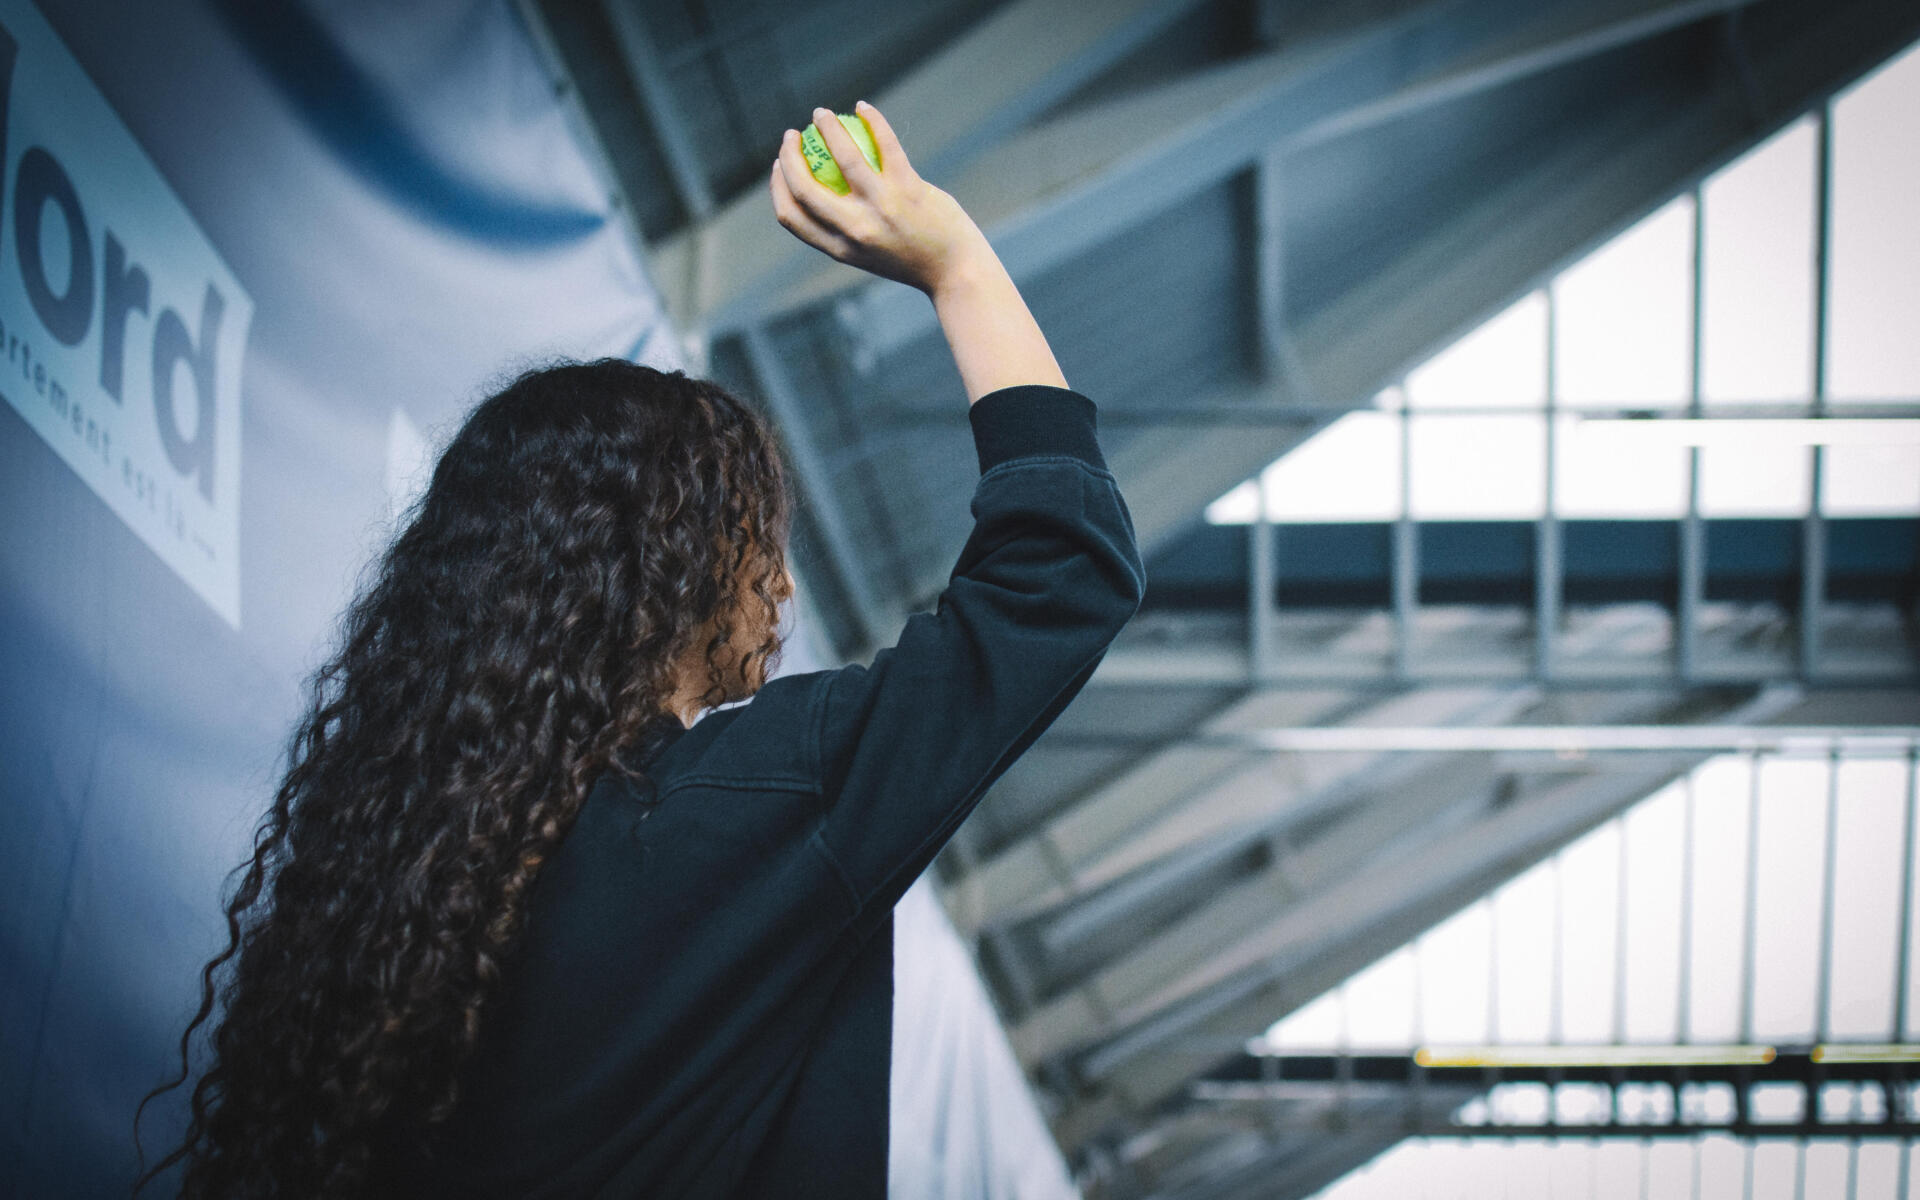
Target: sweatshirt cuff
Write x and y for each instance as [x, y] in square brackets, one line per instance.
[1034, 419]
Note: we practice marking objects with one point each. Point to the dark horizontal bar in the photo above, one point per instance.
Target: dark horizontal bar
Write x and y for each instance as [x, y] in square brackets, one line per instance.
[1293, 413]
[1795, 1130]
[1491, 562]
[1789, 1066]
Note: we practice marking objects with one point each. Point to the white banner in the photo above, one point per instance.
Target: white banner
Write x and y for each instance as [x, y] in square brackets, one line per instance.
[121, 329]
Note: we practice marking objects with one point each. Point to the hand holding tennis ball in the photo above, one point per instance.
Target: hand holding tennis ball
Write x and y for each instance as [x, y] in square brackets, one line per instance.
[820, 160]
[890, 221]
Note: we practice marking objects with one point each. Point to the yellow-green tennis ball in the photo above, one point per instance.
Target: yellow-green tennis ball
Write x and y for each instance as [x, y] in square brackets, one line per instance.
[820, 159]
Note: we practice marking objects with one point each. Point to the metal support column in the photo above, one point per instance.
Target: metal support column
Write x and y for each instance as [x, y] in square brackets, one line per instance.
[1813, 536]
[1278, 357]
[1260, 586]
[1683, 1004]
[1546, 539]
[1823, 987]
[1621, 914]
[1693, 536]
[1406, 549]
[1749, 936]
[1903, 953]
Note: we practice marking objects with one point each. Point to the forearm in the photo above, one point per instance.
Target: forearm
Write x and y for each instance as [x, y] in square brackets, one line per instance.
[996, 343]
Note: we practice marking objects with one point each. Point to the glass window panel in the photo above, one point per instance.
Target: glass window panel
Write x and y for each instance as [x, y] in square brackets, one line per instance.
[1707, 1103]
[1723, 1168]
[1839, 1102]
[1313, 1027]
[1583, 1103]
[1826, 1169]
[1570, 1171]
[1778, 1103]
[1380, 1004]
[1877, 1169]
[1748, 481]
[1601, 476]
[1236, 507]
[1456, 1169]
[1453, 978]
[1502, 363]
[1912, 1030]
[1349, 471]
[1398, 1172]
[1478, 467]
[1616, 1169]
[1792, 847]
[1646, 1104]
[1866, 898]
[1719, 896]
[1527, 1170]
[1524, 913]
[1875, 279]
[1520, 1103]
[1757, 332]
[1590, 870]
[1653, 831]
[1870, 1102]
[1670, 1170]
[1871, 481]
[1623, 316]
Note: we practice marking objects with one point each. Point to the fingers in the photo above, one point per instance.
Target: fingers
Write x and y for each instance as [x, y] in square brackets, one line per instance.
[846, 152]
[892, 155]
[815, 198]
[797, 221]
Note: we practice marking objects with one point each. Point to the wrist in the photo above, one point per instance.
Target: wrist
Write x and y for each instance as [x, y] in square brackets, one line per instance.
[968, 270]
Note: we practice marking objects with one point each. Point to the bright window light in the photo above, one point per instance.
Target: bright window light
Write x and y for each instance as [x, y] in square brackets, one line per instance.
[1622, 320]
[1434, 992]
[1503, 363]
[1757, 323]
[1624, 314]
[1748, 433]
[1872, 350]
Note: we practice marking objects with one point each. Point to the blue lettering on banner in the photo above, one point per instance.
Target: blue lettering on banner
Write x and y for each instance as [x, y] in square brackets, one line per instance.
[122, 330]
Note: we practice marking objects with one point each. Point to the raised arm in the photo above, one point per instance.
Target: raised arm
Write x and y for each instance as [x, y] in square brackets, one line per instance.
[1049, 574]
[898, 226]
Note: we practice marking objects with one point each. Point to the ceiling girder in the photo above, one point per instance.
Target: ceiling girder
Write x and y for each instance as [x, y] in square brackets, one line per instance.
[1037, 52]
[1379, 820]
[1331, 933]
[1190, 792]
[1055, 192]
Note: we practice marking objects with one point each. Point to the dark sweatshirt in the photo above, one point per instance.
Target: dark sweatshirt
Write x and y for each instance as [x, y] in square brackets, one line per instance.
[702, 1002]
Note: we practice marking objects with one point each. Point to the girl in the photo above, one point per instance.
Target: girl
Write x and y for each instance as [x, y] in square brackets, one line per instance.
[528, 916]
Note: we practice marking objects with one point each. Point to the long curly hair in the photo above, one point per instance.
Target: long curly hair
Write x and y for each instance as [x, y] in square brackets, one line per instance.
[591, 531]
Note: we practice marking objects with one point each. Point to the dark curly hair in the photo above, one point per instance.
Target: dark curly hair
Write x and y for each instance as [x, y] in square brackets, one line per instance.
[592, 530]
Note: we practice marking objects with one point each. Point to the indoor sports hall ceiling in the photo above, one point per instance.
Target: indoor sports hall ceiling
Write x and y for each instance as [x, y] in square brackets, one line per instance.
[1236, 221]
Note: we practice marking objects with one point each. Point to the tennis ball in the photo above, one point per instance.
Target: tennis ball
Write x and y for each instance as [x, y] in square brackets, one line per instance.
[820, 159]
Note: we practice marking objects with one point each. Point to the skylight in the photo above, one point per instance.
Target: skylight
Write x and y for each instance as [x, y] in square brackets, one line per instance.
[1621, 338]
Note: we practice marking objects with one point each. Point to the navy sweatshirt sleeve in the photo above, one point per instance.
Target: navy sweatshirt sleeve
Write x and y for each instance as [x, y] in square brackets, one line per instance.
[1048, 576]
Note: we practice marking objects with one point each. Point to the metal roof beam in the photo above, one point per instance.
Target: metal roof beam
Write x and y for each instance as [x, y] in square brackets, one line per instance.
[1036, 52]
[1059, 190]
[1507, 239]
[1214, 786]
[1338, 929]
[1155, 814]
